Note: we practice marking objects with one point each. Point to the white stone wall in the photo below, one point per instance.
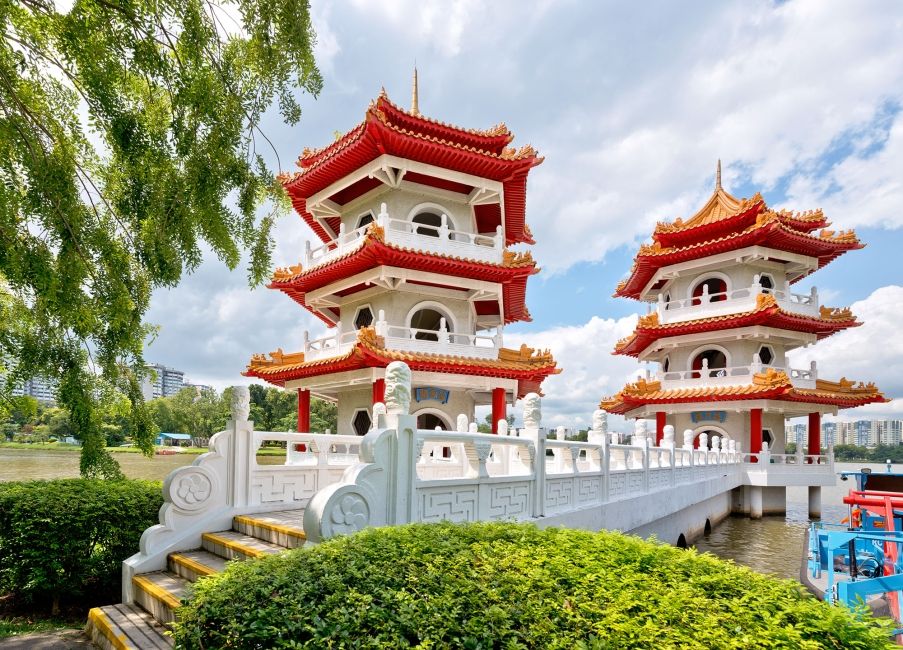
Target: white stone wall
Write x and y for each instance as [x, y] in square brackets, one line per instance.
[737, 276]
[400, 203]
[739, 353]
[397, 305]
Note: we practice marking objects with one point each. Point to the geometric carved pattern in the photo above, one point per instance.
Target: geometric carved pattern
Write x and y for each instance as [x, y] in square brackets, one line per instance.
[448, 504]
[559, 494]
[509, 501]
[617, 485]
[283, 487]
[589, 489]
[634, 482]
[659, 478]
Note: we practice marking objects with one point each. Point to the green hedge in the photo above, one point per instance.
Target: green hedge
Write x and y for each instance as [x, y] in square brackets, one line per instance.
[64, 541]
[507, 586]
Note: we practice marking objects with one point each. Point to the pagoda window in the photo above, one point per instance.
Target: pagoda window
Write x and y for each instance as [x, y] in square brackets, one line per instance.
[767, 283]
[768, 437]
[766, 355]
[365, 219]
[667, 300]
[363, 317]
[715, 360]
[428, 224]
[714, 288]
[361, 422]
[427, 320]
[666, 364]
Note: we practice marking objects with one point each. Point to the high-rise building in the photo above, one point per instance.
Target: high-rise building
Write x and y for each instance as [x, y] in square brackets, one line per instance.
[829, 434]
[162, 381]
[42, 389]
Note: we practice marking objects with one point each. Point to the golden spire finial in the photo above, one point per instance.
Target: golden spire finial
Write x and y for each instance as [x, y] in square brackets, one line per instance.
[415, 109]
[718, 176]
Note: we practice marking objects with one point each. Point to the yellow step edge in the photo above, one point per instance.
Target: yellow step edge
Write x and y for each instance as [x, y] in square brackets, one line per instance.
[157, 592]
[235, 546]
[103, 623]
[194, 565]
[276, 528]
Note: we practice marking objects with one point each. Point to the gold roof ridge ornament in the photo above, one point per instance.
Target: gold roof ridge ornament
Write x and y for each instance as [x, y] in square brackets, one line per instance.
[718, 176]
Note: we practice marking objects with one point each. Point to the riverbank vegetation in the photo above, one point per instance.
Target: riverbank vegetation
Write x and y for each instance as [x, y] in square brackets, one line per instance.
[62, 544]
[199, 413]
[508, 586]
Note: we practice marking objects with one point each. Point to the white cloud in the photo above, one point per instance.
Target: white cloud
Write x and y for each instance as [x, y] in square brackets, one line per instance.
[871, 352]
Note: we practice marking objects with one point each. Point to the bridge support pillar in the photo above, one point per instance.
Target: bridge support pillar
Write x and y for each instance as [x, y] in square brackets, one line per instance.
[814, 502]
[755, 502]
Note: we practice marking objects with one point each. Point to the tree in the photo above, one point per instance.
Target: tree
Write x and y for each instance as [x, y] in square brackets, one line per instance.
[486, 425]
[129, 133]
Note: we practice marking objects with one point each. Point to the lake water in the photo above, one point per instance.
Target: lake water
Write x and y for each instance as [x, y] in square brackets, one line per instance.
[769, 545]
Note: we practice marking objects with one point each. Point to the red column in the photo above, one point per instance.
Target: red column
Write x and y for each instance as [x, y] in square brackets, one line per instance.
[379, 390]
[659, 427]
[498, 408]
[755, 431]
[814, 434]
[303, 410]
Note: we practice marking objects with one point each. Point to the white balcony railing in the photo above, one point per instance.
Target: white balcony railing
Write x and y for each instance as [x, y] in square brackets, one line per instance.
[733, 302]
[440, 240]
[409, 339]
[733, 376]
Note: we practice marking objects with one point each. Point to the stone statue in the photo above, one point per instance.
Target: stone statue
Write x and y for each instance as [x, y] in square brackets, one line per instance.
[600, 422]
[398, 388]
[473, 428]
[241, 403]
[716, 443]
[688, 438]
[560, 433]
[461, 423]
[502, 427]
[668, 440]
[639, 429]
[532, 411]
[703, 441]
[378, 409]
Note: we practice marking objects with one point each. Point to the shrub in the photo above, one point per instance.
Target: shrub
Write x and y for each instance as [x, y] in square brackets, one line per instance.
[507, 586]
[66, 540]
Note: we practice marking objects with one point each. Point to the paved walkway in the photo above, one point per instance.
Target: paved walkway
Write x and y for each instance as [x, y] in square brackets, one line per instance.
[58, 640]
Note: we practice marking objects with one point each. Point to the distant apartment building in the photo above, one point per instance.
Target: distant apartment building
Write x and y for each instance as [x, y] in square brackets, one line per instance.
[162, 381]
[862, 433]
[200, 388]
[42, 389]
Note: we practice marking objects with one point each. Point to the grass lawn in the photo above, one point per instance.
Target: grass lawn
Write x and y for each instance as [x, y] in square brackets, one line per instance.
[16, 625]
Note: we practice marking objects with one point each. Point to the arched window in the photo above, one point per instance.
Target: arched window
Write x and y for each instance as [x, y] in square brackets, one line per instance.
[717, 360]
[430, 222]
[428, 319]
[716, 288]
[667, 300]
[768, 437]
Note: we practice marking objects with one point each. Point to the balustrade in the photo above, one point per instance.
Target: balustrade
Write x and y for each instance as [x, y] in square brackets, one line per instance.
[734, 375]
[440, 239]
[733, 302]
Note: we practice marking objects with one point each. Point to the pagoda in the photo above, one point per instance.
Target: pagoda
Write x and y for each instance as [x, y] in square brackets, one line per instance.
[414, 218]
[723, 318]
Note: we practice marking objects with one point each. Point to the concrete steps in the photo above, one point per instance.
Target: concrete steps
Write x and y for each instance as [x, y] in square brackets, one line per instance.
[159, 594]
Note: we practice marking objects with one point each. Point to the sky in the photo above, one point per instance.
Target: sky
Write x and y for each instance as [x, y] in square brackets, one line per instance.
[631, 105]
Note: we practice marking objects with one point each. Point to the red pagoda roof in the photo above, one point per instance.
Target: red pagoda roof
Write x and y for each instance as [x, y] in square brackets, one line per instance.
[769, 229]
[526, 365]
[389, 129]
[767, 313]
[770, 384]
[374, 251]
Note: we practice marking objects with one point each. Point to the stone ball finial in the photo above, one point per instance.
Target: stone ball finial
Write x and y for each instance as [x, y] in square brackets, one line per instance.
[532, 411]
[669, 432]
[398, 388]
[600, 421]
[241, 403]
[461, 423]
